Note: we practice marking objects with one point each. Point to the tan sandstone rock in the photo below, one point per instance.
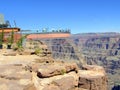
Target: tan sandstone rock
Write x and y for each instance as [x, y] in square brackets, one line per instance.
[93, 78]
[56, 69]
[13, 77]
[59, 82]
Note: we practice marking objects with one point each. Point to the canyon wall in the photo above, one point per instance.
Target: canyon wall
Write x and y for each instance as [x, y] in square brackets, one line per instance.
[102, 49]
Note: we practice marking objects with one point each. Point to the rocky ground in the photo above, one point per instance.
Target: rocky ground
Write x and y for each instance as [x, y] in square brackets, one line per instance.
[32, 72]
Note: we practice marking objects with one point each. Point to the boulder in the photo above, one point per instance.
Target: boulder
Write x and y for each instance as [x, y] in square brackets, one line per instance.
[59, 82]
[49, 76]
[64, 82]
[92, 78]
[49, 70]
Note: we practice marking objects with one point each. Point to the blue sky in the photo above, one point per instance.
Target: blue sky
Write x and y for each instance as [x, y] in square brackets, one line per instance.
[80, 16]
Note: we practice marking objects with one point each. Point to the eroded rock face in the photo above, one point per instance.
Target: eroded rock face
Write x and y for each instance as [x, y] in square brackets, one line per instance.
[63, 82]
[49, 77]
[53, 78]
[104, 51]
[93, 78]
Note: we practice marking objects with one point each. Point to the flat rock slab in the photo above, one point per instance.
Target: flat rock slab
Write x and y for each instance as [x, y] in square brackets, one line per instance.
[10, 54]
[14, 77]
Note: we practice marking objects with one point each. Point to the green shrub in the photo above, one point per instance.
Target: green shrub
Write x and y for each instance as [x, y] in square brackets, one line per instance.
[2, 37]
[63, 71]
[38, 51]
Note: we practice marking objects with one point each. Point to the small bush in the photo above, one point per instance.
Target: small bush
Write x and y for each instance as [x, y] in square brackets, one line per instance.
[38, 51]
[63, 71]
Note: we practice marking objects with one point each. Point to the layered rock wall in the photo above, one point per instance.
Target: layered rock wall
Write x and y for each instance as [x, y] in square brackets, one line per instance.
[67, 76]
